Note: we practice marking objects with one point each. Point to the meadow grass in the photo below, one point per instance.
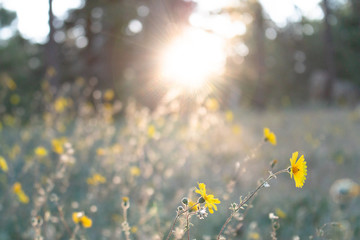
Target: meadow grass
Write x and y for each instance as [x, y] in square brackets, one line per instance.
[81, 171]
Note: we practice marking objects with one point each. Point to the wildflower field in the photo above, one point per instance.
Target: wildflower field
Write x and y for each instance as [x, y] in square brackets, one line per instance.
[102, 169]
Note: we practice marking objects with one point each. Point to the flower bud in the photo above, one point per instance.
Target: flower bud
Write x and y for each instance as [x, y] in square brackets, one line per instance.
[180, 209]
[125, 202]
[201, 200]
[273, 163]
[185, 201]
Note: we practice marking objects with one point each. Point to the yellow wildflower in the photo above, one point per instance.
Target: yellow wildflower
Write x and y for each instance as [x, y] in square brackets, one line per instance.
[40, 151]
[100, 151]
[10, 83]
[254, 236]
[86, 222]
[280, 213]
[60, 104]
[76, 216]
[80, 217]
[9, 120]
[3, 164]
[17, 189]
[151, 131]
[96, 179]
[210, 201]
[135, 171]
[14, 99]
[23, 198]
[109, 95]
[108, 107]
[57, 145]
[269, 136]
[229, 116]
[236, 129]
[99, 178]
[134, 229]
[298, 169]
[212, 104]
[50, 71]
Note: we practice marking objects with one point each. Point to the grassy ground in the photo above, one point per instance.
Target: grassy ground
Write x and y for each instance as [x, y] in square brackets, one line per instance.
[81, 158]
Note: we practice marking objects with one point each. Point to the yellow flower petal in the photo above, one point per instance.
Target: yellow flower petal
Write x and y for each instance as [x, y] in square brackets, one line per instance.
[76, 216]
[23, 198]
[280, 213]
[86, 222]
[17, 187]
[3, 164]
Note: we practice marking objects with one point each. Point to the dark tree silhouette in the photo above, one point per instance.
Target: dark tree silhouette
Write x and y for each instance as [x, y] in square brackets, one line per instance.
[329, 53]
[52, 52]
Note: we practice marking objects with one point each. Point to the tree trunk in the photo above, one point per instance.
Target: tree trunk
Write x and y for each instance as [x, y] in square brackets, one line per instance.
[259, 96]
[52, 54]
[356, 9]
[329, 54]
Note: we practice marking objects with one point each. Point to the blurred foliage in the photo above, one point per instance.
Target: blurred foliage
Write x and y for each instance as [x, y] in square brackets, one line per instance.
[6, 17]
[97, 43]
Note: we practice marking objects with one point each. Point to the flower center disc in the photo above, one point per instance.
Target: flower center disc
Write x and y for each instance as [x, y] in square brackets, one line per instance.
[295, 170]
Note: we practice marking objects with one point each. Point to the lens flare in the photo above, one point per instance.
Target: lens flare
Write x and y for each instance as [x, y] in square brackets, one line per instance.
[193, 58]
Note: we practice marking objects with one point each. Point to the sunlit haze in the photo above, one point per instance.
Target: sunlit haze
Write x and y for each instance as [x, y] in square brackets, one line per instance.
[33, 15]
[280, 11]
[193, 58]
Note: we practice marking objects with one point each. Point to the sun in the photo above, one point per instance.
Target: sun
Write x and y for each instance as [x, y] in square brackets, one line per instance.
[193, 59]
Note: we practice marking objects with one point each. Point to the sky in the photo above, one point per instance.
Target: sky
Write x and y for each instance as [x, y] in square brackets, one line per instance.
[33, 16]
[33, 25]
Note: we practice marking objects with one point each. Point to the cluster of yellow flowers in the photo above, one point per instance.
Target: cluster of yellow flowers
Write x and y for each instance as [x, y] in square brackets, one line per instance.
[96, 179]
[81, 218]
